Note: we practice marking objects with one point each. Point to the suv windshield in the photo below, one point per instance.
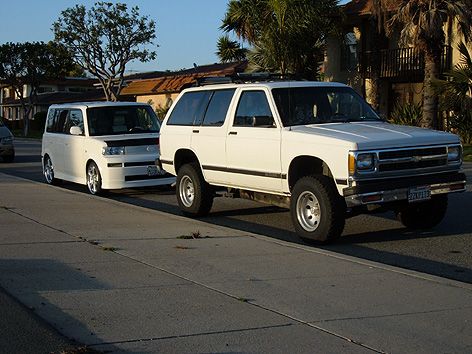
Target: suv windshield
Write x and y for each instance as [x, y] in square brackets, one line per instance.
[318, 105]
[122, 120]
[1, 122]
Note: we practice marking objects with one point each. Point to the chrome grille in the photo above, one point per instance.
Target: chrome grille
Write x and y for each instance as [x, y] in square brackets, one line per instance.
[412, 159]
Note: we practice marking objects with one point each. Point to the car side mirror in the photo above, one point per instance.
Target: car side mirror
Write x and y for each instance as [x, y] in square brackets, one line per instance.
[76, 130]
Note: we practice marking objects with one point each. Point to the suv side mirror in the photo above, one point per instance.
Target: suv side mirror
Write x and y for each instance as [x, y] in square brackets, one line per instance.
[75, 130]
[263, 121]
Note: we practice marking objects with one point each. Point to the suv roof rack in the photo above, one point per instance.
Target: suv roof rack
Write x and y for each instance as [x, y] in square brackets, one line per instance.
[244, 78]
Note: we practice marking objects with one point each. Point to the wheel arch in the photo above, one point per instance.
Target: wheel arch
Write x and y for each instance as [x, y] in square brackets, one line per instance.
[302, 166]
[184, 156]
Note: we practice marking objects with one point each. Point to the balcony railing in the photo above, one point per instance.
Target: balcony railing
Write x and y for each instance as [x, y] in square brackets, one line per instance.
[403, 64]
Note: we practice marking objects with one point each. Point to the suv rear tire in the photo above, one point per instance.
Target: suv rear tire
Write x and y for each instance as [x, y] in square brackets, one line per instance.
[194, 195]
[318, 213]
[424, 215]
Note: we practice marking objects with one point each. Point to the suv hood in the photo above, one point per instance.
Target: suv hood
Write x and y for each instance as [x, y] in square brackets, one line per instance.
[5, 132]
[376, 135]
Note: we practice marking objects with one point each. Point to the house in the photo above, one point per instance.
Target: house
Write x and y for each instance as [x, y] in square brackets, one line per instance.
[365, 56]
[52, 91]
[161, 88]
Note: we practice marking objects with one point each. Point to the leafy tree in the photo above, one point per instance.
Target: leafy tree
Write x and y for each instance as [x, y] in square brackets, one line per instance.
[422, 24]
[456, 94]
[32, 64]
[229, 51]
[105, 39]
[288, 36]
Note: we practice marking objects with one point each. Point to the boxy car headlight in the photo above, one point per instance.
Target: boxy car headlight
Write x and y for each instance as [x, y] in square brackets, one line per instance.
[454, 153]
[365, 162]
[113, 150]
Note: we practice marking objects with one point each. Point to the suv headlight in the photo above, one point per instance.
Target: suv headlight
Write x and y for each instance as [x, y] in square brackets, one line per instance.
[365, 162]
[454, 153]
[113, 150]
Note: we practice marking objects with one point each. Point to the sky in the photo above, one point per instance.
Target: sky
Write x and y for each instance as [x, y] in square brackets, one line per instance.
[186, 30]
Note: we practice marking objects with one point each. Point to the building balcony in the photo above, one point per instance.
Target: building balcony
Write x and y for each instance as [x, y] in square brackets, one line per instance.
[400, 65]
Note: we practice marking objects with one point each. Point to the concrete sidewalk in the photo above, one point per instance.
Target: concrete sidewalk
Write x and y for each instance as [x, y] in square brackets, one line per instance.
[127, 279]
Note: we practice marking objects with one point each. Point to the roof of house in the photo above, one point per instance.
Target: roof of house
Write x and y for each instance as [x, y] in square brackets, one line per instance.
[46, 99]
[177, 81]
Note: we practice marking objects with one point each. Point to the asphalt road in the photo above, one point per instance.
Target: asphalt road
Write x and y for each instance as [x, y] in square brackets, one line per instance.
[445, 251]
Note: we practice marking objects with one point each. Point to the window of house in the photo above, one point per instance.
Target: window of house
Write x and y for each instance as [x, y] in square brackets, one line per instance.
[253, 110]
[349, 52]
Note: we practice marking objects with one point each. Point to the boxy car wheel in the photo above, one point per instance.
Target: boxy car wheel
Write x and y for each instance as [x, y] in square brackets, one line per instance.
[94, 179]
[48, 171]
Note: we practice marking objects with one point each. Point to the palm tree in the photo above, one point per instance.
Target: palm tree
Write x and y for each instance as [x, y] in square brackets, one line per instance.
[229, 51]
[422, 24]
[456, 94]
[287, 36]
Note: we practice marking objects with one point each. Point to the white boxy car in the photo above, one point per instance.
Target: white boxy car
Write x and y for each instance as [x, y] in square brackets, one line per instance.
[104, 145]
[314, 147]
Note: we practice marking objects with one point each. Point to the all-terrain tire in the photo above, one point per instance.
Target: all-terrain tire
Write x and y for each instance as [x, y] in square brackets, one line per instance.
[194, 195]
[424, 215]
[318, 212]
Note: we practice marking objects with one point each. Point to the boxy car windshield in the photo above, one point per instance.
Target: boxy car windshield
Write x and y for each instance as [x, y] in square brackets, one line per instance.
[318, 105]
[122, 120]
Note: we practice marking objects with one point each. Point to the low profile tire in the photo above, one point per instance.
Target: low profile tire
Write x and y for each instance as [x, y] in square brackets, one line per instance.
[94, 179]
[317, 210]
[48, 171]
[194, 195]
[424, 215]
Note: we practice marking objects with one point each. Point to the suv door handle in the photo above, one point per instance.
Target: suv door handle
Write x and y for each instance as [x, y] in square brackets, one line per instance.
[195, 131]
[233, 133]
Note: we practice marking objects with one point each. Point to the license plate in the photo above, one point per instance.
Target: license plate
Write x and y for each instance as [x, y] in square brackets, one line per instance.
[154, 171]
[419, 194]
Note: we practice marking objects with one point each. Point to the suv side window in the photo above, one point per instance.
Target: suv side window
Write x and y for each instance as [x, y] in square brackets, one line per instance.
[50, 123]
[218, 107]
[253, 111]
[56, 120]
[190, 109]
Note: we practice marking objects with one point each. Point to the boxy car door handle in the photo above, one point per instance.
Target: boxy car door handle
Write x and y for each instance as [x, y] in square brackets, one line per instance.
[195, 131]
[233, 133]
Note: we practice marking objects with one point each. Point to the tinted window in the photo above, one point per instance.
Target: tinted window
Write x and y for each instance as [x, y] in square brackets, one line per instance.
[216, 112]
[74, 119]
[56, 120]
[1, 122]
[115, 120]
[253, 110]
[190, 109]
[317, 105]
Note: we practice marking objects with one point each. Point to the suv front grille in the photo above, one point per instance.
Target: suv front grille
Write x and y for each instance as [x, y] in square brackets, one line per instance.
[412, 159]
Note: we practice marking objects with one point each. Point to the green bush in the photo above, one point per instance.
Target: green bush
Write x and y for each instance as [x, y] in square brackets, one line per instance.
[407, 114]
[38, 122]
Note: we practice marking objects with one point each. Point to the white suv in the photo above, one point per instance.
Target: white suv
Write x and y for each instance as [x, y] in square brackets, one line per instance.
[314, 147]
[103, 145]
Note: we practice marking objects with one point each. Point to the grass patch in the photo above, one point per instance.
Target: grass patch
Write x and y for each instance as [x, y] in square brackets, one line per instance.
[467, 153]
[194, 235]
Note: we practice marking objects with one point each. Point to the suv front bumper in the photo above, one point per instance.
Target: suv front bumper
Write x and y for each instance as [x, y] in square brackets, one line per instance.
[398, 189]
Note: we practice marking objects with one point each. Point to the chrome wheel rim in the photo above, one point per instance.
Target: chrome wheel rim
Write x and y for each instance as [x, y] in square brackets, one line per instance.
[48, 170]
[93, 179]
[308, 211]
[186, 191]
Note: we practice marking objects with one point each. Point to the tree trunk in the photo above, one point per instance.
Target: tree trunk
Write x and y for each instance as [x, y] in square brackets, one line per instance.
[430, 117]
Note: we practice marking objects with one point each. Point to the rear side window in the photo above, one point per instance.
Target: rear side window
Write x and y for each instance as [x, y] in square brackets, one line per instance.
[56, 120]
[216, 112]
[190, 109]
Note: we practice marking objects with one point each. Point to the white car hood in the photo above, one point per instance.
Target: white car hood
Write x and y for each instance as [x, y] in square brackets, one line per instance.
[377, 135]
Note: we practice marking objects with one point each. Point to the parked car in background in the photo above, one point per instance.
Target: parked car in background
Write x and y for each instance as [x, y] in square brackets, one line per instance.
[104, 145]
[7, 150]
